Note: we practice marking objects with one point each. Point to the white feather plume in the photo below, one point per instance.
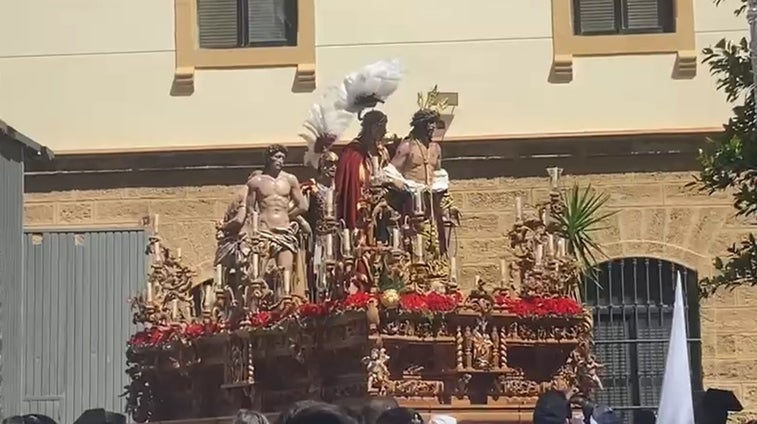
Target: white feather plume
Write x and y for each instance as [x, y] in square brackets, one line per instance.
[325, 124]
[376, 81]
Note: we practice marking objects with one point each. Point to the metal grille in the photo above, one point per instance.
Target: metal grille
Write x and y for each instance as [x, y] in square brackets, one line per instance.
[633, 311]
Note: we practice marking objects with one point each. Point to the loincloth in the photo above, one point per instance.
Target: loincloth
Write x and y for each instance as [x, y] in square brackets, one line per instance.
[282, 238]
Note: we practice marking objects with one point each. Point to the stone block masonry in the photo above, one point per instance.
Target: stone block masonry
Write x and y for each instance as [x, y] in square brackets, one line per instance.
[657, 217]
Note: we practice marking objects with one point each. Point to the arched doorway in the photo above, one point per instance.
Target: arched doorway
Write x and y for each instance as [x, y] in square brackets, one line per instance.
[633, 301]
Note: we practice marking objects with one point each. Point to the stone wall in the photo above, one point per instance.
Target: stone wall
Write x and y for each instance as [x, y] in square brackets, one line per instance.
[657, 217]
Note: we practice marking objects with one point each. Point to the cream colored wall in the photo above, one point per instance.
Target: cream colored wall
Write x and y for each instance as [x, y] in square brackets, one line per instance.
[98, 75]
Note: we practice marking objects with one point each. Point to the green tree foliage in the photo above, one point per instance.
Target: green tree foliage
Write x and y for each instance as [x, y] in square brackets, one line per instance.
[729, 161]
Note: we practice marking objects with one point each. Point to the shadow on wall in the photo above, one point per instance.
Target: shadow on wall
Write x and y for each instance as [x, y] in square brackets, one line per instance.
[463, 160]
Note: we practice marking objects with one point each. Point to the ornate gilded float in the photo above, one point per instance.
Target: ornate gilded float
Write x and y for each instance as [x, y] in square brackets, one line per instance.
[345, 285]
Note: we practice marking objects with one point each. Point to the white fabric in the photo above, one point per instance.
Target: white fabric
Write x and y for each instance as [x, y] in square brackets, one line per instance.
[676, 406]
[442, 419]
[439, 183]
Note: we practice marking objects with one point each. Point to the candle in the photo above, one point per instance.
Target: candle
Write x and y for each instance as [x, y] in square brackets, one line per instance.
[550, 245]
[375, 164]
[562, 247]
[518, 209]
[503, 271]
[287, 282]
[155, 224]
[175, 309]
[554, 177]
[396, 238]
[208, 294]
[219, 275]
[539, 253]
[156, 248]
[329, 246]
[149, 291]
[346, 242]
[178, 253]
[329, 203]
[544, 215]
[453, 268]
[418, 247]
[255, 222]
[255, 265]
[418, 202]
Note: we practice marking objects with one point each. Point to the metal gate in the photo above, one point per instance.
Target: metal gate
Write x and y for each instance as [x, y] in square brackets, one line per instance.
[76, 319]
[633, 312]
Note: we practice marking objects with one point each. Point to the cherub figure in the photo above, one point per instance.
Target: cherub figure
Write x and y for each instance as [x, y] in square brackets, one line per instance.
[378, 371]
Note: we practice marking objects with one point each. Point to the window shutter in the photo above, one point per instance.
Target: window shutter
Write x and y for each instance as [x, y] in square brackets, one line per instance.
[218, 23]
[267, 22]
[596, 16]
[643, 15]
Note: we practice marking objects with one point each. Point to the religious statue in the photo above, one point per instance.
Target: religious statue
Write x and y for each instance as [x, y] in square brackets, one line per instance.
[483, 346]
[262, 213]
[358, 163]
[416, 170]
[361, 159]
[378, 371]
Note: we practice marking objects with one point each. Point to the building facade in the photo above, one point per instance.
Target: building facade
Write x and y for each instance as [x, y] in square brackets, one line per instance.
[163, 108]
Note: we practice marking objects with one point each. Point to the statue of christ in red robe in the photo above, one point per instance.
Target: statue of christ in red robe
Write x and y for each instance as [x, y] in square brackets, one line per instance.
[354, 170]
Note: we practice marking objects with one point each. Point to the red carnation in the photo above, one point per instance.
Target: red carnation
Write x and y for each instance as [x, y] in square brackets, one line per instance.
[313, 310]
[261, 319]
[358, 300]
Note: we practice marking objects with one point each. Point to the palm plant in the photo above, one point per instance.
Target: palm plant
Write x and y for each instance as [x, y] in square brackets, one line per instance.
[582, 215]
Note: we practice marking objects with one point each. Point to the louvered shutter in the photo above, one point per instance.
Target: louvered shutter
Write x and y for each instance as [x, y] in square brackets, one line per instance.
[643, 15]
[267, 22]
[596, 16]
[218, 23]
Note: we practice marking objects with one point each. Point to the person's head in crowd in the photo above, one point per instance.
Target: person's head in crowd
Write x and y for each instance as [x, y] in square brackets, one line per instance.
[246, 416]
[352, 406]
[552, 407]
[16, 419]
[644, 416]
[442, 419]
[375, 406]
[295, 408]
[605, 415]
[400, 416]
[320, 413]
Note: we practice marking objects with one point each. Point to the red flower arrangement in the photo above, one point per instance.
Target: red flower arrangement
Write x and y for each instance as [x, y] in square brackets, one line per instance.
[357, 300]
[540, 306]
[431, 302]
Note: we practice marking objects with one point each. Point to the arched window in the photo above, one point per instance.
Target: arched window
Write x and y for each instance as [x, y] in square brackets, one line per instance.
[633, 312]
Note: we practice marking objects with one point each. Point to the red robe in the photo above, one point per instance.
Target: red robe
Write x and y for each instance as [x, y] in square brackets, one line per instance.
[352, 177]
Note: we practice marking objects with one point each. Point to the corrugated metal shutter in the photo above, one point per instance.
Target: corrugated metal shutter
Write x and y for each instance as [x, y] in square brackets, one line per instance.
[596, 16]
[266, 22]
[11, 277]
[643, 15]
[77, 319]
[218, 22]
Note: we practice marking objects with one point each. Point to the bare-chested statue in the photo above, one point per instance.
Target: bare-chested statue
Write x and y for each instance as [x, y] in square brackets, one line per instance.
[263, 210]
[269, 192]
[416, 167]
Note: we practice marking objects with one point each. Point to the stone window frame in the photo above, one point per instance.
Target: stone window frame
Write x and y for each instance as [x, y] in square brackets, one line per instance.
[190, 56]
[566, 44]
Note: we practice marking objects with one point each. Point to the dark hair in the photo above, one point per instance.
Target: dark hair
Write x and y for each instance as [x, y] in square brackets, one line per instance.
[16, 419]
[246, 416]
[352, 406]
[276, 148]
[644, 416]
[400, 416]
[376, 406]
[286, 415]
[371, 118]
[552, 407]
[321, 413]
[423, 117]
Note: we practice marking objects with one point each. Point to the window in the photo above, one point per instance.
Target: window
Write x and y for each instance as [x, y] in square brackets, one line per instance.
[598, 17]
[247, 23]
[582, 28]
[237, 34]
[633, 311]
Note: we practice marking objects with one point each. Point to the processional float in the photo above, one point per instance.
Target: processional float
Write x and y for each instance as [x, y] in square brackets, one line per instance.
[358, 293]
